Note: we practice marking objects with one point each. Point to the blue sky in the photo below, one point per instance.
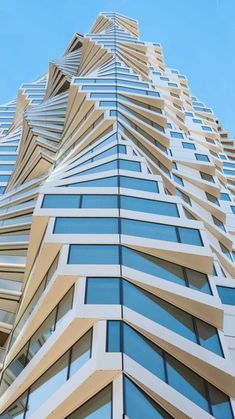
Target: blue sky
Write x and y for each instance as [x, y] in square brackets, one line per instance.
[198, 37]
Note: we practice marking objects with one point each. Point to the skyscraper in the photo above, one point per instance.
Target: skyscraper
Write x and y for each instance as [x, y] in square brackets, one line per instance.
[117, 218]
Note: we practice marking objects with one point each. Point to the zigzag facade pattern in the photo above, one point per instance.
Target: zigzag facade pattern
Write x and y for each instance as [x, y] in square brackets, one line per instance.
[117, 210]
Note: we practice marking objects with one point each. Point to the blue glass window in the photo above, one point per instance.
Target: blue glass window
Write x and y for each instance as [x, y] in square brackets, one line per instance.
[175, 134]
[112, 165]
[61, 201]
[139, 184]
[138, 405]
[190, 236]
[93, 254]
[178, 180]
[148, 230]
[85, 225]
[8, 148]
[147, 354]
[159, 311]
[11, 157]
[189, 384]
[226, 294]
[206, 128]
[123, 338]
[161, 232]
[114, 336]
[130, 165]
[103, 291]
[220, 405]
[225, 196]
[6, 167]
[190, 146]
[52, 379]
[147, 205]
[202, 157]
[99, 201]
[98, 407]
[4, 178]
[229, 172]
[110, 182]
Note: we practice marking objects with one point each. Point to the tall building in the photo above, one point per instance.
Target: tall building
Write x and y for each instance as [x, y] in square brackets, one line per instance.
[117, 295]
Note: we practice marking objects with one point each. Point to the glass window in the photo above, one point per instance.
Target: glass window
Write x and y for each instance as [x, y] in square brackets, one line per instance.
[152, 265]
[61, 201]
[148, 230]
[138, 405]
[52, 379]
[110, 182]
[183, 196]
[6, 167]
[5, 157]
[233, 209]
[139, 184]
[98, 407]
[218, 223]
[186, 382]
[164, 269]
[158, 310]
[130, 165]
[93, 254]
[103, 291]
[65, 305]
[41, 335]
[85, 225]
[221, 407]
[143, 351]
[226, 294]
[8, 148]
[81, 353]
[229, 172]
[123, 338]
[190, 146]
[114, 336]
[147, 205]
[175, 134]
[206, 128]
[190, 236]
[226, 251]
[4, 178]
[212, 198]
[112, 165]
[99, 201]
[207, 177]
[178, 180]
[225, 196]
[197, 281]
[208, 338]
[14, 369]
[17, 409]
[202, 157]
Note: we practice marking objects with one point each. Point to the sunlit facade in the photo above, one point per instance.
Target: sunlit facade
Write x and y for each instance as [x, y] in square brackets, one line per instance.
[116, 244]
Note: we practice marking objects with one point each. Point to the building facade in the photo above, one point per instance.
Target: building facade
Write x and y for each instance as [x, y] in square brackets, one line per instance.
[117, 295]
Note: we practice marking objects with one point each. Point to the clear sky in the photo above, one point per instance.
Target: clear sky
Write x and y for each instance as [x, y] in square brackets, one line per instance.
[198, 37]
